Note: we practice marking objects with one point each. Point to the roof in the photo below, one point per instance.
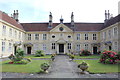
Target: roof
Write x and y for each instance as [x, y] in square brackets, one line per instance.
[10, 20]
[44, 26]
[112, 21]
[78, 26]
[37, 26]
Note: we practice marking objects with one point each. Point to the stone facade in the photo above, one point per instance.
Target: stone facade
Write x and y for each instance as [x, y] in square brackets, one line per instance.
[58, 38]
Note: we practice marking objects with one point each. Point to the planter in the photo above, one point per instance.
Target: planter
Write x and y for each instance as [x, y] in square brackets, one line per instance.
[45, 67]
[83, 66]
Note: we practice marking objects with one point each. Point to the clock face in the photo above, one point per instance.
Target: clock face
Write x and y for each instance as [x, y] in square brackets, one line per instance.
[61, 28]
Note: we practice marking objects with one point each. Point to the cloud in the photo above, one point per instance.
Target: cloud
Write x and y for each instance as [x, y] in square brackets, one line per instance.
[38, 10]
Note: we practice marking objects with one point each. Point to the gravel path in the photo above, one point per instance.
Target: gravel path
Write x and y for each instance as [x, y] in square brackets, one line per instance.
[60, 68]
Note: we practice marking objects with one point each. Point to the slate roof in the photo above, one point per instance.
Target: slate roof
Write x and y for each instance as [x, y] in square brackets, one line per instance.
[44, 26]
[112, 21]
[78, 26]
[10, 20]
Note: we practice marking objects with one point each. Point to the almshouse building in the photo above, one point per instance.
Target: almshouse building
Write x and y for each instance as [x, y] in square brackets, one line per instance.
[57, 38]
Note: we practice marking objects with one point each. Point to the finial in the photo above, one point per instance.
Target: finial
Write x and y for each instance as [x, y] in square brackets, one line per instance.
[50, 13]
[105, 11]
[72, 14]
[17, 11]
[61, 16]
[61, 20]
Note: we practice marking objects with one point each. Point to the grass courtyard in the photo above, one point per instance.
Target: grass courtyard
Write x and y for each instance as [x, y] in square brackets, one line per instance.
[33, 56]
[88, 57]
[31, 67]
[95, 67]
[34, 66]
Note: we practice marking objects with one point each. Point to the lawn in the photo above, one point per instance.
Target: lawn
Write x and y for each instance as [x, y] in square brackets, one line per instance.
[95, 67]
[32, 67]
[92, 56]
[32, 56]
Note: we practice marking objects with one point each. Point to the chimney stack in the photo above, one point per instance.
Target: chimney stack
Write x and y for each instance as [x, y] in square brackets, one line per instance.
[11, 16]
[105, 15]
[72, 20]
[50, 20]
[15, 15]
[108, 15]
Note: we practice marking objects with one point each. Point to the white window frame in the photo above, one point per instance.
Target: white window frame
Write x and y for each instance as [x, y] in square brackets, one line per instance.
[36, 36]
[19, 35]
[109, 34]
[94, 36]
[86, 36]
[44, 47]
[78, 36]
[105, 35]
[10, 47]
[44, 36]
[78, 47]
[69, 45]
[10, 32]
[3, 46]
[115, 31]
[53, 46]
[29, 36]
[86, 46]
[15, 34]
[115, 45]
[4, 30]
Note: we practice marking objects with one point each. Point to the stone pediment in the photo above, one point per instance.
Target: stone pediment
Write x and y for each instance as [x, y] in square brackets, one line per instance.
[61, 28]
[61, 41]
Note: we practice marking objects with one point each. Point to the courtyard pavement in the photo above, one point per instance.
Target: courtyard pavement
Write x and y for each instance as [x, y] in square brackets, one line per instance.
[60, 68]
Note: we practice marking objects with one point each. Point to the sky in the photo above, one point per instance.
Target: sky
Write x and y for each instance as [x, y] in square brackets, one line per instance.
[38, 10]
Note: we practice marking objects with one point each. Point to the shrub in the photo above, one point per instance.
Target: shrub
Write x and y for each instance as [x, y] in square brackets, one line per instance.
[71, 56]
[99, 52]
[109, 57]
[118, 55]
[44, 66]
[85, 53]
[18, 56]
[53, 56]
[20, 62]
[29, 59]
[39, 53]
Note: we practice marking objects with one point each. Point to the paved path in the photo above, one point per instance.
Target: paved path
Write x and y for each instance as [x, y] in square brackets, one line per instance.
[63, 68]
[60, 68]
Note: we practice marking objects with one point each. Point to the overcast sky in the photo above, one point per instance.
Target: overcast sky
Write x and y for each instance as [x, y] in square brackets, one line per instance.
[38, 10]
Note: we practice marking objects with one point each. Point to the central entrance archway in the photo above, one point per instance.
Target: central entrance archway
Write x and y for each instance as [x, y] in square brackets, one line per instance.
[61, 48]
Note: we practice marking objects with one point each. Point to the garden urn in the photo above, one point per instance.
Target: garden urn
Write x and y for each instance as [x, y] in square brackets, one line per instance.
[83, 66]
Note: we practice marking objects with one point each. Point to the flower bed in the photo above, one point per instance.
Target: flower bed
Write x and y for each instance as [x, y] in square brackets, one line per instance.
[18, 57]
[85, 53]
[109, 57]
